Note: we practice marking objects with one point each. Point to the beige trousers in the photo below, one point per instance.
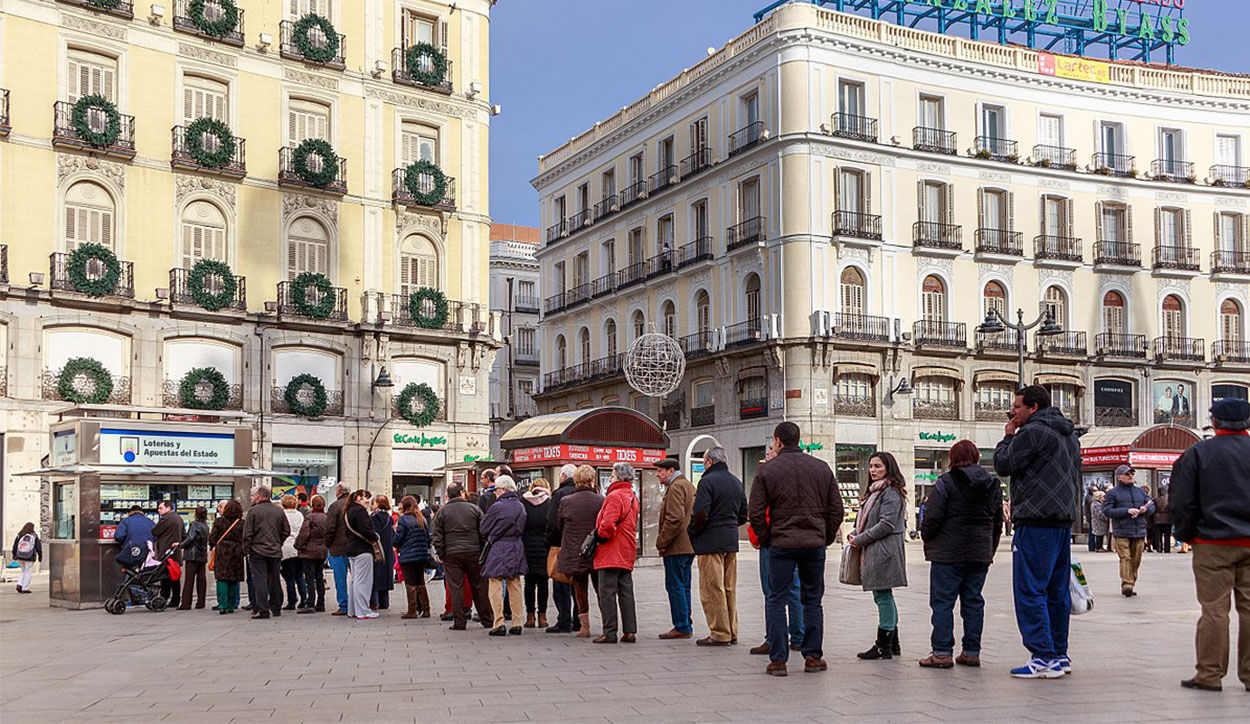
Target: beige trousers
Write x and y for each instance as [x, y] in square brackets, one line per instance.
[718, 592]
[1129, 550]
[1218, 572]
[516, 600]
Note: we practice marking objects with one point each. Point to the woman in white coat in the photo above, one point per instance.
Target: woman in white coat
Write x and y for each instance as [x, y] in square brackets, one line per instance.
[292, 567]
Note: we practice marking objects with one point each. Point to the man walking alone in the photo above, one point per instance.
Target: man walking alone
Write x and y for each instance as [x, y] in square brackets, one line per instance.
[673, 544]
[1128, 506]
[720, 507]
[1043, 457]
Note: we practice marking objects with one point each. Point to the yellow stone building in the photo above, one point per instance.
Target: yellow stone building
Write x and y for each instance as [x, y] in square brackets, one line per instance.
[343, 166]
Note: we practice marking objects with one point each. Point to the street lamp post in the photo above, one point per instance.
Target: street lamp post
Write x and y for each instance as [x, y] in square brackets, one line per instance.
[995, 322]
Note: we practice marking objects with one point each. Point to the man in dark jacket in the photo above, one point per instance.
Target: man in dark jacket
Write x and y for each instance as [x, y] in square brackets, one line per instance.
[672, 542]
[487, 498]
[720, 507]
[134, 534]
[1210, 502]
[1127, 506]
[1043, 457]
[796, 512]
[336, 542]
[561, 593]
[169, 532]
[458, 540]
[264, 529]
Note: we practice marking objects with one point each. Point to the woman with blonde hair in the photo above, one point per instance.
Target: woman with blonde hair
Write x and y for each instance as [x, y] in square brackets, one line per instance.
[292, 569]
[575, 520]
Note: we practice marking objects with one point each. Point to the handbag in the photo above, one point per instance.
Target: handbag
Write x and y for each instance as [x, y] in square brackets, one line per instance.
[212, 555]
[591, 544]
[553, 566]
[851, 570]
[378, 554]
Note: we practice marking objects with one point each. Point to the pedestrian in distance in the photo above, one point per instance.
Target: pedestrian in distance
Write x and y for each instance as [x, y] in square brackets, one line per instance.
[616, 530]
[1040, 452]
[458, 540]
[360, 539]
[310, 545]
[795, 510]
[672, 542]
[383, 570]
[1209, 499]
[265, 528]
[537, 503]
[168, 534]
[1163, 520]
[27, 550]
[879, 531]
[292, 569]
[486, 498]
[561, 593]
[195, 560]
[720, 508]
[575, 521]
[503, 529]
[961, 530]
[336, 542]
[1099, 526]
[226, 541]
[302, 504]
[412, 548]
[1128, 506]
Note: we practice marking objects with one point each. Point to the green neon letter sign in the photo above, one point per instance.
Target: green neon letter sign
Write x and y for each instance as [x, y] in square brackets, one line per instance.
[1100, 15]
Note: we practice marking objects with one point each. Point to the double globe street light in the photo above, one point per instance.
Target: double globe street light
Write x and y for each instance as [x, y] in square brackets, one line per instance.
[995, 322]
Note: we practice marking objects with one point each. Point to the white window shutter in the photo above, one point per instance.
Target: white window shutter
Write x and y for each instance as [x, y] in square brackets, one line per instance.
[443, 36]
[1128, 224]
[1186, 235]
[866, 192]
[1069, 223]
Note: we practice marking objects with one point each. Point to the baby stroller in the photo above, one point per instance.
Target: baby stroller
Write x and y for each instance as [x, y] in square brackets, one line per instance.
[141, 583]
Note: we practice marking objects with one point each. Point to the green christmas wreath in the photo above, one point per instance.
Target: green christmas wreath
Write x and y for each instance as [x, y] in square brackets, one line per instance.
[198, 286]
[99, 382]
[299, 295]
[220, 27]
[412, 181]
[329, 162]
[195, 142]
[82, 123]
[416, 301]
[316, 407]
[76, 269]
[437, 64]
[430, 404]
[188, 389]
[307, 48]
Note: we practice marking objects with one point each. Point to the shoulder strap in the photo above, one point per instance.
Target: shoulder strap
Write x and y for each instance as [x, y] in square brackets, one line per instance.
[223, 535]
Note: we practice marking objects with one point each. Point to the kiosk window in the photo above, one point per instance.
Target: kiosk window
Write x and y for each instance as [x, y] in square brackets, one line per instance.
[64, 511]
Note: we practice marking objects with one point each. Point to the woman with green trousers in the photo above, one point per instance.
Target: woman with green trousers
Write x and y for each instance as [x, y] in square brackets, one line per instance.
[879, 536]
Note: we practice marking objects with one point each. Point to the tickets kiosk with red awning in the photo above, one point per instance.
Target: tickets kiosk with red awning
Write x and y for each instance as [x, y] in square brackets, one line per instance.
[1152, 451]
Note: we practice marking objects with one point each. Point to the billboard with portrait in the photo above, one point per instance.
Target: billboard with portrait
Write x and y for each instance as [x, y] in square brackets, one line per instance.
[1173, 402]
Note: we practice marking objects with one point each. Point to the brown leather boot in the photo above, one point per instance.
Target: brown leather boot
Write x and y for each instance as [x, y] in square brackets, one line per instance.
[411, 590]
[542, 620]
[584, 631]
[423, 601]
[529, 621]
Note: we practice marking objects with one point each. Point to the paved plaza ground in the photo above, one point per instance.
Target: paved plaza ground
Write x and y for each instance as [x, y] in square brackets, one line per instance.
[196, 666]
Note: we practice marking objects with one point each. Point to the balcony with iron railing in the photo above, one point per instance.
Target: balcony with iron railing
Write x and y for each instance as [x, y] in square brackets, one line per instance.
[180, 290]
[746, 137]
[401, 74]
[84, 384]
[525, 355]
[1230, 262]
[697, 162]
[336, 52]
[935, 409]
[1181, 414]
[696, 251]
[1121, 346]
[4, 263]
[603, 286]
[526, 303]
[996, 149]
[181, 158]
[632, 194]
[554, 303]
[999, 242]
[1180, 349]
[1178, 258]
[938, 236]
[670, 417]
[1114, 164]
[663, 178]
[427, 184]
[992, 411]
[1115, 417]
[1224, 175]
[855, 405]
[933, 333]
[631, 274]
[748, 232]
[578, 294]
[606, 367]
[1171, 170]
[314, 298]
[5, 126]
[698, 344]
[1117, 253]
[61, 281]
[743, 334]
[1064, 344]
[702, 416]
[66, 135]
[1004, 342]
[289, 176]
[581, 220]
[750, 408]
[861, 327]
[462, 317]
[121, 9]
[856, 128]
[559, 378]
[934, 140]
[1063, 249]
[278, 403]
[608, 206]
[171, 394]
[1054, 157]
[1231, 350]
[857, 225]
[660, 264]
[213, 13]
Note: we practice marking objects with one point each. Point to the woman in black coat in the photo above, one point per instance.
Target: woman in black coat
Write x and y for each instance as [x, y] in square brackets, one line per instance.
[226, 540]
[575, 519]
[537, 503]
[195, 560]
[384, 570]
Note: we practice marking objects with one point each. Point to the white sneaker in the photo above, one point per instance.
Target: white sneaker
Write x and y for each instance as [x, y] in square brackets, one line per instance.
[1038, 669]
[371, 614]
[1065, 664]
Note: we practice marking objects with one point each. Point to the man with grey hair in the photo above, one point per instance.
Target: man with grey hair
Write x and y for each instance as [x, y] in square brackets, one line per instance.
[1210, 503]
[720, 508]
[561, 593]
[264, 529]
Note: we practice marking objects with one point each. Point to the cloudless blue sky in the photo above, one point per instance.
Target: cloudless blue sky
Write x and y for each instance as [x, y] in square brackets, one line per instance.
[557, 66]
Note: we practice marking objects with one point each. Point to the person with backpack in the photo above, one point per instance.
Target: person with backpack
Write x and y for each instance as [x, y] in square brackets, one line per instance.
[27, 549]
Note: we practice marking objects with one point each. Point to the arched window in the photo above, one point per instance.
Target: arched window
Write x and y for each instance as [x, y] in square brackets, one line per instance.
[994, 298]
[753, 298]
[1055, 302]
[418, 265]
[89, 215]
[418, 142]
[1173, 317]
[1113, 313]
[1230, 321]
[584, 339]
[670, 319]
[852, 292]
[640, 323]
[609, 331]
[933, 293]
[562, 353]
[703, 313]
[203, 233]
[308, 248]
[92, 74]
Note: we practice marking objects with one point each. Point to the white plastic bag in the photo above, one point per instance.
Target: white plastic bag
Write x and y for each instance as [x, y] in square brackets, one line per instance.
[1082, 598]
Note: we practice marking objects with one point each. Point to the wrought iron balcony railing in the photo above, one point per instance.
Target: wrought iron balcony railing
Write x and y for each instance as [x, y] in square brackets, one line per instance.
[935, 409]
[696, 251]
[171, 394]
[698, 161]
[631, 274]
[401, 75]
[608, 206]
[1004, 341]
[212, 13]
[862, 327]
[525, 355]
[180, 289]
[59, 263]
[313, 296]
[992, 411]
[670, 417]
[664, 178]
[579, 294]
[121, 9]
[702, 416]
[1117, 253]
[426, 184]
[1115, 417]
[288, 49]
[287, 175]
[936, 235]
[4, 263]
[857, 225]
[65, 135]
[554, 303]
[855, 405]
[463, 317]
[1163, 169]
[5, 125]
[1057, 248]
[278, 403]
[1230, 262]
[1231, 350]
[934, 140]
[1123, 346]
[743, 333]
[1182, 258]
[997, 149]
[119, 395]
[526, 303]
[1064, 344]
[1114, 164]
[698, 344]
[632, 194]
[751, 231]
[580, 220]
[557, 230]
[660, 264]
[1223, 175]
[1180, 349]
[752, 407]
[932, 333]
[1054, 157]
[603, 286]
[746, 137]
[857, 128]
[180, 157]
[999, 241]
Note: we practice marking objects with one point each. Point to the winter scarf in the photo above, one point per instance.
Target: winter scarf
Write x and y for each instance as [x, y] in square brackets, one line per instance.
[537, 496]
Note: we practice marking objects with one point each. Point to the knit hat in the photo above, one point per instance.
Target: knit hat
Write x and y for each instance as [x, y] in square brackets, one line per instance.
[1232, 413]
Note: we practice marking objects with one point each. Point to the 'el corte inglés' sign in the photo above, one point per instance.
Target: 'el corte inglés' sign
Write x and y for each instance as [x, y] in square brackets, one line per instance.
[151, 447]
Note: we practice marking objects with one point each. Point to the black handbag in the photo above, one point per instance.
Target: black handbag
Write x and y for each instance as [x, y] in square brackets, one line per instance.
[591, 544]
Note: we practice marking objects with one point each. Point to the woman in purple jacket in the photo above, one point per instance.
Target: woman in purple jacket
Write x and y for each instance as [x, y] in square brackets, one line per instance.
[504, 563]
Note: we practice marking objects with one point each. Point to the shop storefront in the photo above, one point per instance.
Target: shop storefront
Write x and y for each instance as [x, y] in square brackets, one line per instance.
[417, 466]
[309, 470]
[851, 472]
[933, 460]
[1152, 451]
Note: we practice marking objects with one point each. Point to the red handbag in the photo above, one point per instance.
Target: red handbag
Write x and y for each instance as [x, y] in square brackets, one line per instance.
[175, 570]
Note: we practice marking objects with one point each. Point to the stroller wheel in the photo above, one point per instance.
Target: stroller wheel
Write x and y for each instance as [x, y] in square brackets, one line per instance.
[115, 606]
[158, 603]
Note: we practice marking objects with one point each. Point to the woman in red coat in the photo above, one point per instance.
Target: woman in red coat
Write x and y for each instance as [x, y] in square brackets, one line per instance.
[617, 529]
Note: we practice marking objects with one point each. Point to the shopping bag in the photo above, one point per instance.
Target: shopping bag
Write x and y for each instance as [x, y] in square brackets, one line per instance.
[851, 569]
[1082, 598]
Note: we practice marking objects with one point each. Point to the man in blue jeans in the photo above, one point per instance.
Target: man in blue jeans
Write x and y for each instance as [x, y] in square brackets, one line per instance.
[336, 540]
[673, 543]
[1043, 457]
[794, 603]
[795, 512]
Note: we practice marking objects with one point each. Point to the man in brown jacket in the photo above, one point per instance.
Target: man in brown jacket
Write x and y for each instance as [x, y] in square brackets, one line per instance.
[673, 544]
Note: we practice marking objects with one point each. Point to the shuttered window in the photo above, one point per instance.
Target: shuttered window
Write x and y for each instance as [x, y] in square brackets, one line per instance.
[585, 340]
[307, 119]
[204, 98]
[92, 74]
[1055, 302]
[753, 298]
[308, 248]
[562, 353]
[203, 233]
[1050, 130]
[933, 293]
[852, 288]
[936, 202]
[418, 143]
[703, 311]
[1173, 317]
[994, 299]
[1229, 228]
[1113, 313]
[670, 319]
[420, 28]
[1230, 321]
[610, 333]
[749, 199]
[418, 265]
[300, 8]
[89, 215]
[640, 323]
[1228, 150]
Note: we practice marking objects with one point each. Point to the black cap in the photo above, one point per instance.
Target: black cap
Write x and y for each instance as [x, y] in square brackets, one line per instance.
[1231, 409]
[668, 464]
[136, 509]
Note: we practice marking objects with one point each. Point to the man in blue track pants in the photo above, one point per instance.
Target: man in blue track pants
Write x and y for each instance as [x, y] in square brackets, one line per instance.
[336, 540]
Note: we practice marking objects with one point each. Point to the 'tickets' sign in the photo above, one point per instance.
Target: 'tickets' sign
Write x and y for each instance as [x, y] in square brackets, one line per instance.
[152, 447]
[587, 454]
[1112, 455]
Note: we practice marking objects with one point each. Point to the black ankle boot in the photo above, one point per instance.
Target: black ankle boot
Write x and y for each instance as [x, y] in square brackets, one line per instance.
[880, 649]
[895, 648]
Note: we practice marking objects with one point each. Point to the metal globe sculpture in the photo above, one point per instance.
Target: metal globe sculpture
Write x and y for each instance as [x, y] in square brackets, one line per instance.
[655, 364]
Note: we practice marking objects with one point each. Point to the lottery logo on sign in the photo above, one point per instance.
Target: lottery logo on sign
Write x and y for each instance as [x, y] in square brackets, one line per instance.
[129, 448]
